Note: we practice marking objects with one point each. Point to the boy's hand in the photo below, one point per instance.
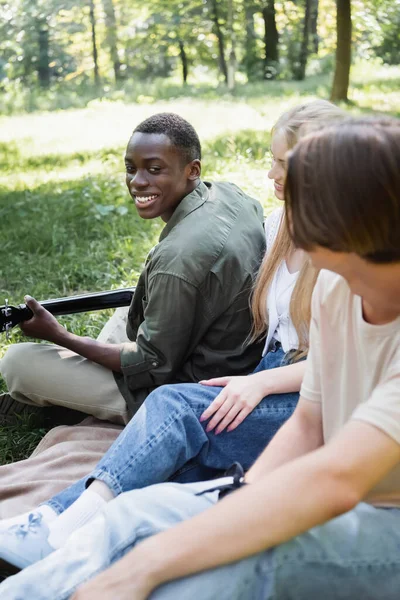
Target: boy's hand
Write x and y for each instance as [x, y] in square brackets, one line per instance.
[42, 325]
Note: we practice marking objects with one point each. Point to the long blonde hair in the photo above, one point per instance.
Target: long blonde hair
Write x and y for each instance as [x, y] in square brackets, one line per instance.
[293, 124]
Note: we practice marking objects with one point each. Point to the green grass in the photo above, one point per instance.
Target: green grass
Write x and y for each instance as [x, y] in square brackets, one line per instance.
[67, 224]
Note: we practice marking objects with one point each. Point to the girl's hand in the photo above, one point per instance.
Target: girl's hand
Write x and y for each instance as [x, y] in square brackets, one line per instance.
[239, 397]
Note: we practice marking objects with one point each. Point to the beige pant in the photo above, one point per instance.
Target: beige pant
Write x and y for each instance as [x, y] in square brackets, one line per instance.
[45, 375]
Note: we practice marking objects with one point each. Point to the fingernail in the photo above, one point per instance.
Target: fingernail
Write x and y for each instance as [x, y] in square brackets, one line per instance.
[202, 419]
[27, 298]
[208, 429]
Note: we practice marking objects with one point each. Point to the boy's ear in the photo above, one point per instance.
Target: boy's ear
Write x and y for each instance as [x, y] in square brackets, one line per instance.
[194, 169]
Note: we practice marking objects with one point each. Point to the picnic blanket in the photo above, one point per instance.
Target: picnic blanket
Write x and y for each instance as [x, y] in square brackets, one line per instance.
[64, 455]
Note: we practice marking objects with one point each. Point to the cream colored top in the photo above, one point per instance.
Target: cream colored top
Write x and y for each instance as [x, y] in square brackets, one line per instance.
[353, 369]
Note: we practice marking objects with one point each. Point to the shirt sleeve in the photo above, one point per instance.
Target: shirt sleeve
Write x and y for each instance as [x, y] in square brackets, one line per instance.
[311, 386]
[165, 335]
[382, 409]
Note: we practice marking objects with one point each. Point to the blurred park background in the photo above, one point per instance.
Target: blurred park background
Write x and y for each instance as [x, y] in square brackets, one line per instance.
[76, 76]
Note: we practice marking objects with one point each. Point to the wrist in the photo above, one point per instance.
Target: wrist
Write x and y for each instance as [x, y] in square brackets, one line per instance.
[266, 382]
[150, 564]
[61, 337]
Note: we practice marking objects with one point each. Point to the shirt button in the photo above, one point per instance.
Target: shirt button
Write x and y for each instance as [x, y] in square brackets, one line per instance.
[154, 363]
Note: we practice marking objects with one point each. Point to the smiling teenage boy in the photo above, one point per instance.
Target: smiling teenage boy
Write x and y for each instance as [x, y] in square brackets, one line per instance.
[189, 316]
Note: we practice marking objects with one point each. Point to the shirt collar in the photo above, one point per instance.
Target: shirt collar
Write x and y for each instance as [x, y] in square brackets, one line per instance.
[187, 205]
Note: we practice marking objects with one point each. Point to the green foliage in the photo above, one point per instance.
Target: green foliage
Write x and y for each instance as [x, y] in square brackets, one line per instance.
[48, 43]
[19, 439]
[388, 19]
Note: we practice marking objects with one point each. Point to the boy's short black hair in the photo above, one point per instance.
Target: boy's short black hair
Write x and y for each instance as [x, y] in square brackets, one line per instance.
[181, 133]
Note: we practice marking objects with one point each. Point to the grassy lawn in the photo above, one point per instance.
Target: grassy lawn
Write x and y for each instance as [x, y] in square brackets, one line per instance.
[67, 224]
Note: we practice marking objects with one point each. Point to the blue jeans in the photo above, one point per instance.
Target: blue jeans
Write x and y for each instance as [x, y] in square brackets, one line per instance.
[165, 437]
[352, 557]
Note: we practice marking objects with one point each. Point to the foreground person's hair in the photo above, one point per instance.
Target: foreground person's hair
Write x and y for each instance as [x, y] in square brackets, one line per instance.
[357, 159]
[292, 124]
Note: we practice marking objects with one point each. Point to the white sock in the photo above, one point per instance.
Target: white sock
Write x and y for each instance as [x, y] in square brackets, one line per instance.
[48, 515]
[75, 517]
[102, 490]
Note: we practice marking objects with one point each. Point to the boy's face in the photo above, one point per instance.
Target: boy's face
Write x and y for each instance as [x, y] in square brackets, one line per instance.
[156, 177]
[377, 284]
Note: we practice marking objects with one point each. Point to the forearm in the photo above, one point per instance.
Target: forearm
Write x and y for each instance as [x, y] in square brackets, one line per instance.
[282, 505]
[295, 438]
[282, 380]
[107, 355]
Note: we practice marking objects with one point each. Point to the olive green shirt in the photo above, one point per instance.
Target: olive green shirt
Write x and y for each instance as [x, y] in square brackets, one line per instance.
[189, 317]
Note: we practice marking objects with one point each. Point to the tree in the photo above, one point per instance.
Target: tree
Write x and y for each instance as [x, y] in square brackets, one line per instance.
[251, 58]
[112, 37]
[301, 70]
[220, 38]
[94, 44]
[343, 52]
[44, 61]
[271, 40]
[184, 60]
[232, 55]
[314, 25]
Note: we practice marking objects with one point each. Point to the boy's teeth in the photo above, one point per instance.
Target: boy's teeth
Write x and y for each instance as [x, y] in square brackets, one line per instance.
[144, 199]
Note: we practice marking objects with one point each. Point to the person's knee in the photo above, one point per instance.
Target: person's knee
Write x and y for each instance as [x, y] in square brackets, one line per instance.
[183, 397]
[17, 359]
[163, 397]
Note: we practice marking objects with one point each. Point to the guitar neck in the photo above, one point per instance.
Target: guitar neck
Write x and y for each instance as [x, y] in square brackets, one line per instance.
[83, 303]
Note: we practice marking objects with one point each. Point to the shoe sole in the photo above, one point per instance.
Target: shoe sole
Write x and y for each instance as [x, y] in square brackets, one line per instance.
[51, 415]
[10, 407]
[7, 569]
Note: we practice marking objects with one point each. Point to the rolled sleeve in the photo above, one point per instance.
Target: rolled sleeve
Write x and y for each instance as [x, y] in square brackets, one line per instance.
[165, 336]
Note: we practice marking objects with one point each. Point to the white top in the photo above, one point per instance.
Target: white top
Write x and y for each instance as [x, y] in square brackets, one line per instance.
[280, 326]
[353, 369]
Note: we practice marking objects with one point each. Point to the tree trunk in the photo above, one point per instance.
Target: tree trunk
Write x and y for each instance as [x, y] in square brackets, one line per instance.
[271, 39]
[185, 68]
[301, 72]
[314, 26]
[94, 44]
[232, 55]
[250, 60]
[43, 64]
[343, 52]
[220, 37]
[112, 37]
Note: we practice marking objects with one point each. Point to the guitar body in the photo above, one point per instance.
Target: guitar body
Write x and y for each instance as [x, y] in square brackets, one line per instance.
[10, 316]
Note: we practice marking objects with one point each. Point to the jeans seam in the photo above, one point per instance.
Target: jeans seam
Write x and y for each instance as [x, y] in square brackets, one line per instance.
[349, 563]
